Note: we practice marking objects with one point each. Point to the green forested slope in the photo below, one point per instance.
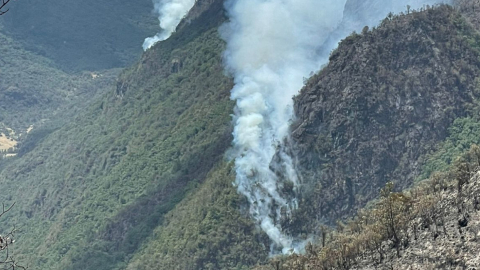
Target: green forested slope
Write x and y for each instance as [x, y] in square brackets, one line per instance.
[206, 231]
[94, 191]
[33, 90]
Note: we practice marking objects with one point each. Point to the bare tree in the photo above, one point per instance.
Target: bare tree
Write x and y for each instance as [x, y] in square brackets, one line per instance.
[6, 259]
[2, 7]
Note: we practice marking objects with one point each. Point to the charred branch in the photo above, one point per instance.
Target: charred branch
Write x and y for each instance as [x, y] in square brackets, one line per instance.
[2, 7]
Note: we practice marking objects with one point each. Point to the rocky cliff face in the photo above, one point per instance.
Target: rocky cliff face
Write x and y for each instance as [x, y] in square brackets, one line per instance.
[386, 98]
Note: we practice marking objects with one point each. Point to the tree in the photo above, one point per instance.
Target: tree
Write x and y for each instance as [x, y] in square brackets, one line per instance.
[393, 213]
[2, 7]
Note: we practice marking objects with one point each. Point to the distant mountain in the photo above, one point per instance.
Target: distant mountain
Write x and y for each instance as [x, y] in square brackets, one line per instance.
[82, 35]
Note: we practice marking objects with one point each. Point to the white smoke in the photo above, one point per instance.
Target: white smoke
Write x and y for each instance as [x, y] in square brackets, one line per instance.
[271, 47]
[359, 13]
[170, 13]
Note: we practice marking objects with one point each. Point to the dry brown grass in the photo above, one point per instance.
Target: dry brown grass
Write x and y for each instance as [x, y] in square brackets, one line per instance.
[6, 143]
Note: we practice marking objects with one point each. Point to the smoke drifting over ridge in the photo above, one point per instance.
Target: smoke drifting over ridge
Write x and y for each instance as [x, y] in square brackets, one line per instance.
[170, 13]
[271, 47]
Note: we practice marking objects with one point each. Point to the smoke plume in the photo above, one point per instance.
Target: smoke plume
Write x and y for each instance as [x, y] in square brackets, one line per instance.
[170, 13]
[271, 47]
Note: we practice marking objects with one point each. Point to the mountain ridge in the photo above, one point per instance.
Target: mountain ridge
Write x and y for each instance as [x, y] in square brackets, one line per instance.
[138, 179]
[386, 98]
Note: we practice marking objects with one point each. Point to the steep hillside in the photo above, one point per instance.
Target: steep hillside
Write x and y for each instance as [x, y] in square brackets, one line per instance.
[33, 91]
[401, 89]
[206, 231]
[469, 9]
[434, 225]
[385, 100]
[82, 35]
[97, 191]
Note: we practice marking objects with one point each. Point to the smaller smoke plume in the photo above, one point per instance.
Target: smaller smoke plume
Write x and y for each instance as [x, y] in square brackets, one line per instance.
[170, 13]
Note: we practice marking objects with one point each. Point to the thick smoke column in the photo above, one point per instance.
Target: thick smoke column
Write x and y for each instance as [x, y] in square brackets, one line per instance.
[170, 13]
[271, 47]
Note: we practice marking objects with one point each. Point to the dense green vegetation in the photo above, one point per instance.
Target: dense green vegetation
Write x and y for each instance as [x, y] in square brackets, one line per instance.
[95, 191]
[33, 91]
[462, 134]
[206, 231]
